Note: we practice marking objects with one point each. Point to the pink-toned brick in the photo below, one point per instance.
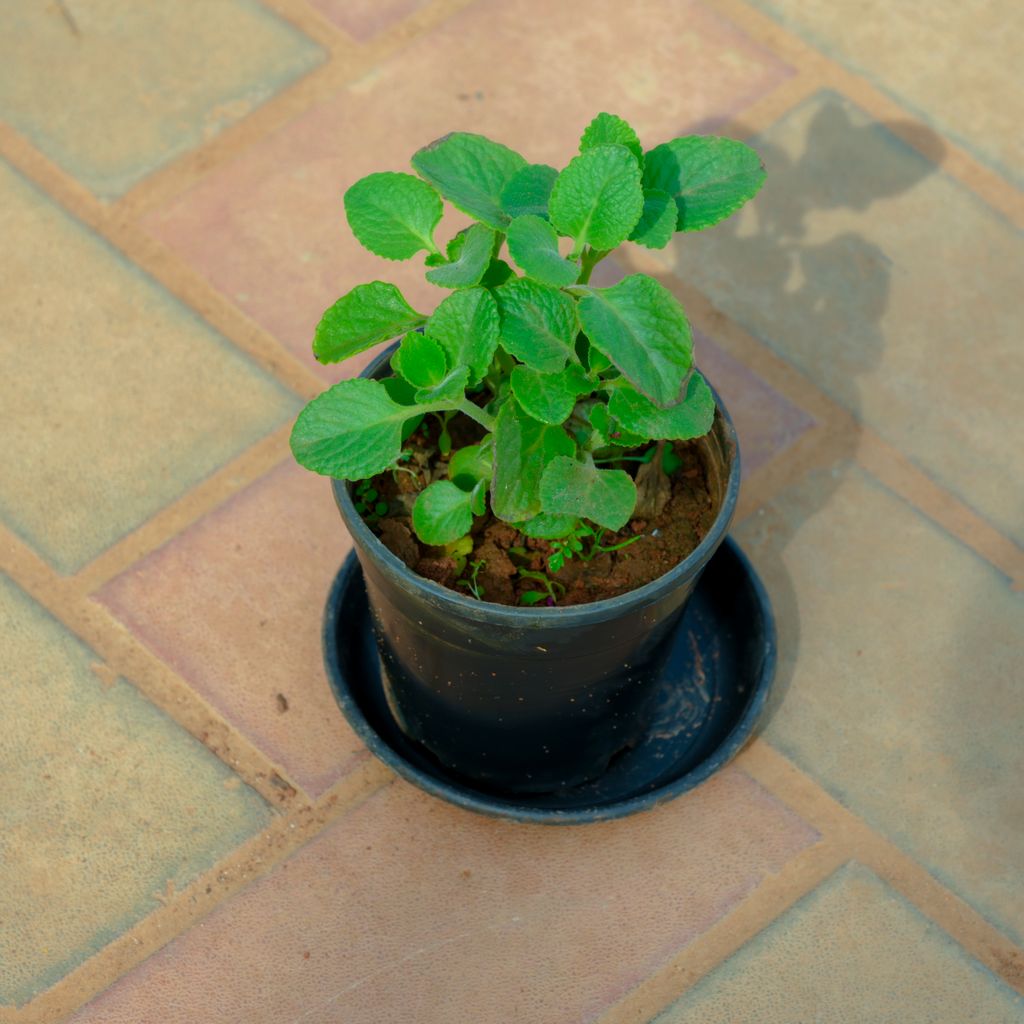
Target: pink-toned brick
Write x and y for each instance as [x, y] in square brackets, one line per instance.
[363, 19]
[234, 604]
[410, 910]
[268, 227]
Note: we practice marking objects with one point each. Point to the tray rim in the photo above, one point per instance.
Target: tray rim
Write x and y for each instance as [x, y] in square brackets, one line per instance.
[460, 795]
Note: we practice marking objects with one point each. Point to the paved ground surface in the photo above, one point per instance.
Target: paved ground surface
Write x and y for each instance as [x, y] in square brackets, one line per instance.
[190, 831]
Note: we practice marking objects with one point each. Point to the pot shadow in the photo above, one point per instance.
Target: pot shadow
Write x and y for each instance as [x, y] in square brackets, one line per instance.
[779, 256]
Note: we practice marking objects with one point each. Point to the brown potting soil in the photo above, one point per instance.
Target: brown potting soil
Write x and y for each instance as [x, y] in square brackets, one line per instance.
[687, 510]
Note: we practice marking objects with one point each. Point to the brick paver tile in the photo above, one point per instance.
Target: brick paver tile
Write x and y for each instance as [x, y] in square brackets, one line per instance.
[111, 90]
[410, 910]
[234, 604]
[851, 951]
[116, 398]
[900, 678]
[364, 19]
[106, 802]
[956, 66]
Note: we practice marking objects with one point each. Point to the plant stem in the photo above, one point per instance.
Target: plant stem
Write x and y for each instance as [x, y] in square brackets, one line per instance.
[589, 260]
[474, 412]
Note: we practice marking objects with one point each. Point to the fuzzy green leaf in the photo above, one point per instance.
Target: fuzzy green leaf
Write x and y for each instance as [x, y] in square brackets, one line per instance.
[657, 223]
[533, 244]
[595, 361]
[443, 513]
[549, 397]
[604, 496]
[641, 327]
[708, 177]
[466, 325]
[469, 256]
[601, 423]
[610, 129]
[478, 497]
[497, 274]
[393, 215]
[608, 432]
[367, 315]
[420, 360]
[528, 191]
[538, 324]
[471, 172]
[351, 431]
[597, 200]
[400, 390]
[548, 527]
[450, 389]
[522, 448]
[473, 462]
[692, 417]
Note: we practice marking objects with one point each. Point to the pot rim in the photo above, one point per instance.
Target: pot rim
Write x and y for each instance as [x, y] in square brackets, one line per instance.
[524, 618]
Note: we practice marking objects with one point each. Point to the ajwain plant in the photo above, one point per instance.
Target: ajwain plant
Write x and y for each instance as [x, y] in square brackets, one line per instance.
[564, 378]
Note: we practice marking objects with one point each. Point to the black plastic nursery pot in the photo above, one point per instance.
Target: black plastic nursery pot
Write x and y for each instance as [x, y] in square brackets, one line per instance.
[528, 700]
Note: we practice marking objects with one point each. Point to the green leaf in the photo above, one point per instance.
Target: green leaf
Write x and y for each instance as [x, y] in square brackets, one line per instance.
[351, 431]
[469, 255]
[367, 315]
[450, 390]
[604, 496]
[419, 360]
[533, 244]
[549, 397]
[478, 497]
[608, 433]
[597, 200]
[692, 417]
[466, 325]
[443, 513]
[472, 462]
[708, 177]
[528, 191]
[538, 324]
[522, 448]
[657, 223]
[601, 422]
[610, 129]
[596, 362]
[471, 172]
[497, 274]
[641, 327]
[400, 390]
[546, 526]
[393, 215]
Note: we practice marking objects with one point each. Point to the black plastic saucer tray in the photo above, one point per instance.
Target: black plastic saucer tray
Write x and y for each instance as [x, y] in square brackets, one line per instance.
[712, 692]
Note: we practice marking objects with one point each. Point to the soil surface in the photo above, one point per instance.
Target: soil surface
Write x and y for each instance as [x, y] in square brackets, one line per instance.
[680, 511]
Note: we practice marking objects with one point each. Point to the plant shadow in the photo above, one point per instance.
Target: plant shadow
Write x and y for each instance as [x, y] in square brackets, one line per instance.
[795, 270]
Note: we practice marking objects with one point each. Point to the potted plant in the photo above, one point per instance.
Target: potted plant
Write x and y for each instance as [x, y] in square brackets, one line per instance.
[535, 475]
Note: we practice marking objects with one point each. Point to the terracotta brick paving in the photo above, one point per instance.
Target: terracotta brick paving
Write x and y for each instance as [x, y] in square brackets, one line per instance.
[191, 832]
